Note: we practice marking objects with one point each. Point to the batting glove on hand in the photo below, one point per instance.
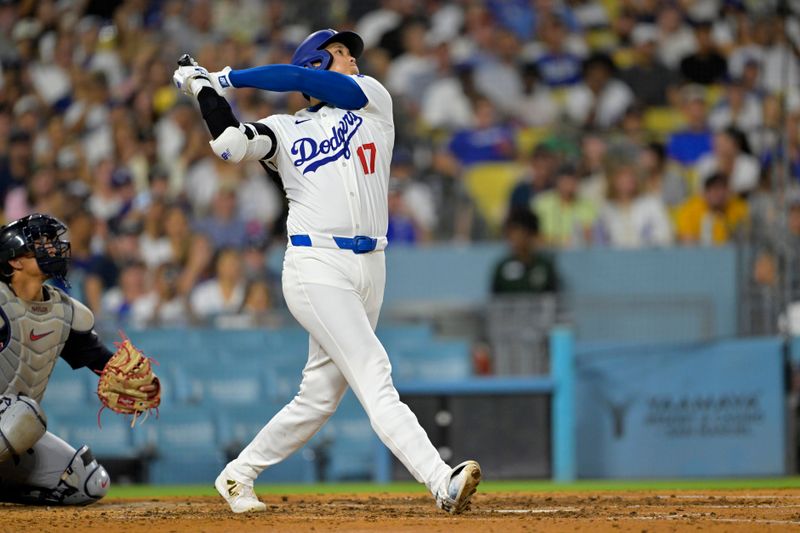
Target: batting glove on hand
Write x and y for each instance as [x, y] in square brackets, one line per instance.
[190, 78]
[220, 80]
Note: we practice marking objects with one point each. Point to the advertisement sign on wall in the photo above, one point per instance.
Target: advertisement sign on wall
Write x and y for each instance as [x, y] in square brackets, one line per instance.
[680, 411]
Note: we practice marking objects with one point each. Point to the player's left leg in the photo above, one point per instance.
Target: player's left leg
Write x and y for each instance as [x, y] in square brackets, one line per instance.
[53, 473]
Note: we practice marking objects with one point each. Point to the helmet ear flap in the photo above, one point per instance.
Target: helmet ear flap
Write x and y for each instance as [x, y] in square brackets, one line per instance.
[323, 57]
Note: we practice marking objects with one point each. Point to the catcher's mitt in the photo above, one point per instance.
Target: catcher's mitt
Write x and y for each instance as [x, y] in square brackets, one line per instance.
[121, 379]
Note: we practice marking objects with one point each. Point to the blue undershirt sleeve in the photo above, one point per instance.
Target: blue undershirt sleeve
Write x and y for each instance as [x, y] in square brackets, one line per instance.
[331, 87]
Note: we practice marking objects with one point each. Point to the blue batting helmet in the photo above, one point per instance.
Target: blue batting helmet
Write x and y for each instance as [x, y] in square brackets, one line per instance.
[312, 49]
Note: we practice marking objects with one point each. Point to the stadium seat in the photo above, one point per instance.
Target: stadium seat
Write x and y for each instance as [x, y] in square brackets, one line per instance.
[490, 186]
[528, 138]
[662, 121]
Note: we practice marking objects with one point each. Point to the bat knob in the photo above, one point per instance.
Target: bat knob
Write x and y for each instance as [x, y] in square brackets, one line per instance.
[185, 61]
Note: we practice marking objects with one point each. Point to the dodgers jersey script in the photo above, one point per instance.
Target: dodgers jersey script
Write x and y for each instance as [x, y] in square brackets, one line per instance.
[335, 165]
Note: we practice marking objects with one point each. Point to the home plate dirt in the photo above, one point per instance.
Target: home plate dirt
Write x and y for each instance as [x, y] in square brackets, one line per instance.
[734, 510]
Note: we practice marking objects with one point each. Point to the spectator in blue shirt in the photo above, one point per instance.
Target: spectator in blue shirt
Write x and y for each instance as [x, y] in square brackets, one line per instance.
[557, 65]
[688, 145]
[489, 140]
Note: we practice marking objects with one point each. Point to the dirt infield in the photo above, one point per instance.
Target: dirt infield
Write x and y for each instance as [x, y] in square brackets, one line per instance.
[733, 510]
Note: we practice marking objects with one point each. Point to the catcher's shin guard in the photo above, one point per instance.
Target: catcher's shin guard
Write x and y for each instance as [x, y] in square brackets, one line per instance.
[22, 424]
[84, 481]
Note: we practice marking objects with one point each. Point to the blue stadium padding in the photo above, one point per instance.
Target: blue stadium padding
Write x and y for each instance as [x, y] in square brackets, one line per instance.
[68, 386]
[79, 427]
[562, 356]
[433, 359]
[237, 427]
[215, 385]
[185, 442]
[794, 353]
[349, 438]
[480, 385]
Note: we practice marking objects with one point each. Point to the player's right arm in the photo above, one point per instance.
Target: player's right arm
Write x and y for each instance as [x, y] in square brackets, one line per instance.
[233, 141]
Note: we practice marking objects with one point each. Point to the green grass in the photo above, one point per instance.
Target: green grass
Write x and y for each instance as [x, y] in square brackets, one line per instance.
[149, 491]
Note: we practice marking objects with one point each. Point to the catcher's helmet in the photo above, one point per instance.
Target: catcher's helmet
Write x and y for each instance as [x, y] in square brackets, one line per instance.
[312, 49]
[40, 235]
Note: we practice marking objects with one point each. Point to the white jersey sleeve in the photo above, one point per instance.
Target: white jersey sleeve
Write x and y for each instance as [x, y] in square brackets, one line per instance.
[380, 101]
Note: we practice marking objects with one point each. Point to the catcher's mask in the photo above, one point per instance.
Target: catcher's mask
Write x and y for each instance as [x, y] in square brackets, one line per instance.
[40, 235]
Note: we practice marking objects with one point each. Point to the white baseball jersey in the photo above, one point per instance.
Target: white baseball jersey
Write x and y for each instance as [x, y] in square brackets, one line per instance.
[335, 165]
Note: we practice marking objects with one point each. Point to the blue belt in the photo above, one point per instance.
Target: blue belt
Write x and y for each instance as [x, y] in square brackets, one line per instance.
[360, 244]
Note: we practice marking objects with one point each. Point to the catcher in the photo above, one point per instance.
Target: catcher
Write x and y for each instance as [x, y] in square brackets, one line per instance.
[38, 323]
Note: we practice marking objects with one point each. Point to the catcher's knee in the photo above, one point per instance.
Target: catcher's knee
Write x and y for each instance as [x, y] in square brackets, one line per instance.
[85, 480]
[22, 424]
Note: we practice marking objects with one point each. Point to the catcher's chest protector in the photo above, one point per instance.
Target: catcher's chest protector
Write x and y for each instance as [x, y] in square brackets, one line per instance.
[38, 331]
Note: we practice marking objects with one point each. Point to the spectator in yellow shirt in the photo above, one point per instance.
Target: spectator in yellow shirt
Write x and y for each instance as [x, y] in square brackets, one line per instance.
[714, 217]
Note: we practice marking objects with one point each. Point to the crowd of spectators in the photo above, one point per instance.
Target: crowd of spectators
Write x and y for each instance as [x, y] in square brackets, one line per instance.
[654, 123]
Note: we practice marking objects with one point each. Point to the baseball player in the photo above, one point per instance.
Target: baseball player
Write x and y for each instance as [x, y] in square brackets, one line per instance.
[38, 323]
[333, 158]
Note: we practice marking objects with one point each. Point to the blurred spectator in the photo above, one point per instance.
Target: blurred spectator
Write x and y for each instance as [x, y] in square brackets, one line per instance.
[536, 105]
[660, 179]
[600, 100]
[417, 195]
[411, 72]
[780, 256]
[524, 269]
[648, 78]
[447, 103]
[163, 307]
[402, 227]
[90, 272]
[490, 139]
[128, 305]
[88, 116]
[731, 157]
[38, 195]
[629, 219]
[739, 109]
[497, 75]
[716, 216]
[222, 294]
[565, 218]
[155, 246]
[254, 257]
[706, 65]
[223, 226]
[688, 145]
[17, 166]
[592, 168]
[538, 178]
[558, 62]
[374, 24]
[675, 39]
[256, 312]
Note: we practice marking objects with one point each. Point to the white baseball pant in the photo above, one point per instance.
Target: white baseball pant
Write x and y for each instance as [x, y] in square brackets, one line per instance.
[336, 296]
